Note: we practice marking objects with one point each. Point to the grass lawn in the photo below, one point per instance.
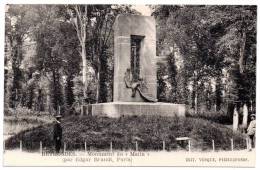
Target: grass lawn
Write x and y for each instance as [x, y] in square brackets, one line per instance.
[148, 131]
[15, 124]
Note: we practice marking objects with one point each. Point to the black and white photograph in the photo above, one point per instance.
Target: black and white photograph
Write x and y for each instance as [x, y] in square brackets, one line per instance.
[129, 85]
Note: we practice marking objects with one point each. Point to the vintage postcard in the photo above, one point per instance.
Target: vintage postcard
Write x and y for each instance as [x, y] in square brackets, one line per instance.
[129, 85]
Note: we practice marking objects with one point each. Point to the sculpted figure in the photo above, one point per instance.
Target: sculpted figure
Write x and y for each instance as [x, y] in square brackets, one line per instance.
[135, 86]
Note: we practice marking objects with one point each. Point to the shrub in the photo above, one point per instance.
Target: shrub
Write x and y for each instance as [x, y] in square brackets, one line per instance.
[148, 131]
[216, 116]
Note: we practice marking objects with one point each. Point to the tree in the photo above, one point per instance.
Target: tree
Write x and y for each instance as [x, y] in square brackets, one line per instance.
[57, 56]
[101, 48]
[172, 77]
[16, 30]
[161, 91]
[211, 42]
[184, 28]
[80, 18]
[237, 45]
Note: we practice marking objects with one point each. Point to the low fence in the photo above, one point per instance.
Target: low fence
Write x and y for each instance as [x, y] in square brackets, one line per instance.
[184, 143]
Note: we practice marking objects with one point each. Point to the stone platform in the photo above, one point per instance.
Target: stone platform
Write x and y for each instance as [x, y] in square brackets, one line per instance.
[117, 109]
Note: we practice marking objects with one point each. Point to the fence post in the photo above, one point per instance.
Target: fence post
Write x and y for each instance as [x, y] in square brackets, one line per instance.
[40, 146]
[111, 146]
[21, 145]
[213, 146]
[163, 145]
[189, 144]
[136, 146]
[85, 145]
[232, 144]
[64, 148]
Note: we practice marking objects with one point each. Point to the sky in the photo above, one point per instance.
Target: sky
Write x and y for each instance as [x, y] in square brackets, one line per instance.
[144, 10]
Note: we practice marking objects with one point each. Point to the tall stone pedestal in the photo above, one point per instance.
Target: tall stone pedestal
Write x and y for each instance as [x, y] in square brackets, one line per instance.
[127, 29]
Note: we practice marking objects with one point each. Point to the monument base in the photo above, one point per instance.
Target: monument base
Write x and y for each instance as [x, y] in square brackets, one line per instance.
[117, 109]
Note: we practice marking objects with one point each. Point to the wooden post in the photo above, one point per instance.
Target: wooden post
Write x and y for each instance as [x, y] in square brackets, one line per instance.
[136, 146]
[213, 146]
[163, 145]
[232, 144]
[40, 146]
[111, 146]
[189, 143]
[85, 144]
[21, 145]
[64, 148]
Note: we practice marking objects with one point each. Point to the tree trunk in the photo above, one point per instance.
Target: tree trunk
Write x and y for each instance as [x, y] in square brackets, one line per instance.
[218, 94]
[55, 102]
[245, 116]
[235, 119]
[241, 52]
[195, 98]
[48, 102]
[251, 106]
[98, 85]
[195, 93]
[84, 68]
[196, 102]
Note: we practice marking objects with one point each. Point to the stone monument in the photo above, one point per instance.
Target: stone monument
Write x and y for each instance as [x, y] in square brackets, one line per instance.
[135, 50]
[135, 84]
